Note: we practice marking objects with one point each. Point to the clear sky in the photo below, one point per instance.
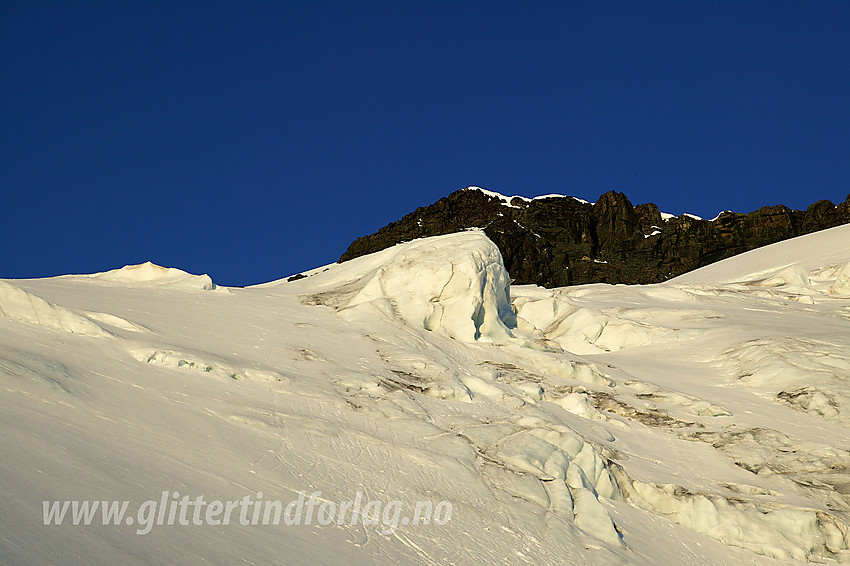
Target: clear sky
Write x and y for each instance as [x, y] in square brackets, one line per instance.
[251, 140]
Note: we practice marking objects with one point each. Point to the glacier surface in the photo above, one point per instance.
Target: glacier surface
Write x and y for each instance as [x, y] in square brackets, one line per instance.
[700, 421]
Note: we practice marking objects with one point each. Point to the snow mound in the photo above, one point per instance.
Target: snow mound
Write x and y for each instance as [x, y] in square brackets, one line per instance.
[18, 304]
[149, 273]
[583, 330]
[782, 532]
[455, 285]
[842, 282]
[177, 360]
[793, 275]
[574, 474]
[776, 364]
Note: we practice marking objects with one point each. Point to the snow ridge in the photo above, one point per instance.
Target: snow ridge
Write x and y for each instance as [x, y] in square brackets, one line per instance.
[18, 304]
[149, 273]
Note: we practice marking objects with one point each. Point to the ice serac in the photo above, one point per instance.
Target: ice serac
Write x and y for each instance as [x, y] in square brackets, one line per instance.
[455, 285]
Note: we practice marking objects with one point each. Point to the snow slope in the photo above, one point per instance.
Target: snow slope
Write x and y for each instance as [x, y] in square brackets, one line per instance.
[699, 421]
[822, 250]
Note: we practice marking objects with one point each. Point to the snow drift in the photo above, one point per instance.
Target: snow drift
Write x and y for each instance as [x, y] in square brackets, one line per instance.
[18, 304]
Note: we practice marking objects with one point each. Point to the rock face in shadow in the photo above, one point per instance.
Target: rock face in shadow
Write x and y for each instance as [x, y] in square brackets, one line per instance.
[558, 241]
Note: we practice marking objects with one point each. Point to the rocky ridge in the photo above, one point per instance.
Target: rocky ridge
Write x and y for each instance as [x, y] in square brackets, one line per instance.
[555, 241]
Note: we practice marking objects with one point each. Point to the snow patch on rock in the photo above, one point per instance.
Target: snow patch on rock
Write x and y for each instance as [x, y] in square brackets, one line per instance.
[507, 200]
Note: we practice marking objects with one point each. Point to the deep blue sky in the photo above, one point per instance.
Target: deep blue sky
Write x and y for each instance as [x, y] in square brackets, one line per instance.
[252, 140]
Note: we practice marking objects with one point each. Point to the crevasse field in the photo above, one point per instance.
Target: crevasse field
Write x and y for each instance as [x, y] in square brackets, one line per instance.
[705, 420]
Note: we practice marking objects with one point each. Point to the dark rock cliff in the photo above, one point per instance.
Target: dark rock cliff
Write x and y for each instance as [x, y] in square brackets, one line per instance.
[560, 241]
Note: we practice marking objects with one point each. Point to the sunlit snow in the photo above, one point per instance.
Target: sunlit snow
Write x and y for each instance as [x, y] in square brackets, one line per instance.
[705, 420]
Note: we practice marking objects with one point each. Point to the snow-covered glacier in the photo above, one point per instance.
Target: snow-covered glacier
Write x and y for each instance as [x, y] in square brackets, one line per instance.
[705, 420]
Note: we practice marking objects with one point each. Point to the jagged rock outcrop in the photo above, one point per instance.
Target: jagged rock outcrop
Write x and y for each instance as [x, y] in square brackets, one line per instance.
[558, 241]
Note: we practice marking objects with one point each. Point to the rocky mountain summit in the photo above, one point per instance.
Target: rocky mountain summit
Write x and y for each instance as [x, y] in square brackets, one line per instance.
[557, 240]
